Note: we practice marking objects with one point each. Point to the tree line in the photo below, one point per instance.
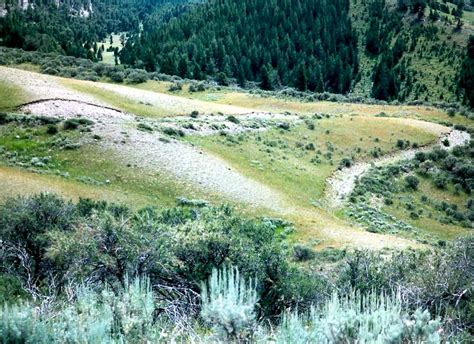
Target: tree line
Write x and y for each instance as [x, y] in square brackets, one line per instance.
[309, 45]
[46, 27]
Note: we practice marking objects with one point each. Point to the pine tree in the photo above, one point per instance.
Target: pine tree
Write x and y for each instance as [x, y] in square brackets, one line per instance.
[466, 81]
[267, 82]
[301, 81]
[183, 67]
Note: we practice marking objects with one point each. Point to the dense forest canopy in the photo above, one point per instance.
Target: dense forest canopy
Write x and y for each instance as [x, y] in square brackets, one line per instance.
[308, 45]
[73, 27]
[372, 48]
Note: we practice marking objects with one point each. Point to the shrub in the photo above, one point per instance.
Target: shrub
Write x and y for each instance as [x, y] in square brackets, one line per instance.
[222, 79]
[440, 180]
[233, 119]
[52, 129]
[360, 318]
[302, 253]
[23, 225]
[71, 124]
[284, 126]
[137, 77]
[460, 127]
[3, 118]
[228, 304]
[420, 156]
[117, 77]
[412, 182]
[144, 127]
[175, 87]
[172, 131]
[107, 317]
[401, 144]
[310, 125]
[437, 154]
[198, 203]
[197, 87]
[346, 162]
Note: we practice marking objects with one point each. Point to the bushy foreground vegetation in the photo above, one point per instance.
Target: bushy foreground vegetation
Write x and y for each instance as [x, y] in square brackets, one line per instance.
[128, 315]
[202, 273]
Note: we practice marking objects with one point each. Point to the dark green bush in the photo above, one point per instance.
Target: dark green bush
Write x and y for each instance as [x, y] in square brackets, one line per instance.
[302, 253]
[440, 180]
[345, 162]
[284, 126]
[412, 182]
[310, 125]
[172, 131]
[71, 124]
[144, 127]
[3, 118]
[136, 76]
[117, 77]
[233, 119]
[52, 129]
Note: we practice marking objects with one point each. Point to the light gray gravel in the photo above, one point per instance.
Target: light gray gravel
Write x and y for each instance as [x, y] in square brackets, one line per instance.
[141, 148]
[146, 150]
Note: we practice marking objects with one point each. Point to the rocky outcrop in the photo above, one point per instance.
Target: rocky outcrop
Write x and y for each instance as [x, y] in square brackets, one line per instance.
[84, 11]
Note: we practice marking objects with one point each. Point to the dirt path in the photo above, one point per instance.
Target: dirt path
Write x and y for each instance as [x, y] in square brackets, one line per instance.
[341, 184]
[39, 86]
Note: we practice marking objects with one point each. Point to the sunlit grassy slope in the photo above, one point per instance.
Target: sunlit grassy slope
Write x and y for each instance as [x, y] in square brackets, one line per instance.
[429, 219]
[298, 161]
[88, 171]
[294, 162]
[10, 96]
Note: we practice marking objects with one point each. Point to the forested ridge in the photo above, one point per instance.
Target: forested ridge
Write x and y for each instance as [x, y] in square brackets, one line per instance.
[64, 29]
[414, 48]
[389, 50]
[308, 45]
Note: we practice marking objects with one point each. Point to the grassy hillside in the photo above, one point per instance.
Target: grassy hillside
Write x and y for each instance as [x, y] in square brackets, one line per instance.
[430, 51]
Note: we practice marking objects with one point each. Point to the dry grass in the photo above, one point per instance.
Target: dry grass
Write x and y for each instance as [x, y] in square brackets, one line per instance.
[16, 181]
[10, 96]
[289, 169]
[148, 103]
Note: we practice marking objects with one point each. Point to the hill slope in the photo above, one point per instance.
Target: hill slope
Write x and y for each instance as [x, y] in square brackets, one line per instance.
[308, 45]
[406, 50]
[385, 49]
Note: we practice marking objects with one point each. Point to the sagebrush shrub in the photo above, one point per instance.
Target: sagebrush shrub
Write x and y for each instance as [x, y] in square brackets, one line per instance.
[228, 304]
[372, 318]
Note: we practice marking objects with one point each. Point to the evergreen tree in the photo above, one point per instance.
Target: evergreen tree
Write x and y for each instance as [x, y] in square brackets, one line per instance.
[183, 67]
[267, 80]
[270, 39]
[466, 81]
[301, 81]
